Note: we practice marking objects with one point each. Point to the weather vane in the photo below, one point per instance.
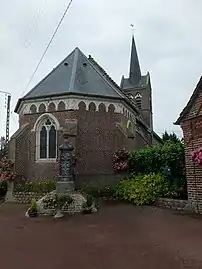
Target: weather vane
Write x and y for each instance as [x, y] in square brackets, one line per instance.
[132, 28]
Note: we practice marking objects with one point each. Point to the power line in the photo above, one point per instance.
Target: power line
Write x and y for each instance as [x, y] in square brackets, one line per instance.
[51, 40]
[33, 25]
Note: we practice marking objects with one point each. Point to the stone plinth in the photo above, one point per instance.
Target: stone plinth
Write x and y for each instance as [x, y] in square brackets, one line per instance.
[66, 162]
[9, 198]
[64, 186]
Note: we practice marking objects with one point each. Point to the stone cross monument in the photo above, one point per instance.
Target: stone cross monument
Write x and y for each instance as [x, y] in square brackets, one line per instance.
[66, 167]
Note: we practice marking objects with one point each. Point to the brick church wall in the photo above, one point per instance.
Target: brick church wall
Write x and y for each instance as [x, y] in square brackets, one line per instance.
[192, 131]
[97, 139]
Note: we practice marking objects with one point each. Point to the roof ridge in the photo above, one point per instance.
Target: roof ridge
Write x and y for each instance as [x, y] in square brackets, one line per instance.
[104, 73]
[185, 110]
[74, 69]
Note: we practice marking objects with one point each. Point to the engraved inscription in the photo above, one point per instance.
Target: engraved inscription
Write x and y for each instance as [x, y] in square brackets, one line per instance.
[65, 164]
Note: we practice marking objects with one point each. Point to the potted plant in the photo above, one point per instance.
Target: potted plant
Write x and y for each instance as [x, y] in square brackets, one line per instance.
[61, 201]
[87, 206]
[32, 211]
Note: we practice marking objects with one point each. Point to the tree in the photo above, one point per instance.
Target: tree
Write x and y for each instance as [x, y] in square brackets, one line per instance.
[170, 137]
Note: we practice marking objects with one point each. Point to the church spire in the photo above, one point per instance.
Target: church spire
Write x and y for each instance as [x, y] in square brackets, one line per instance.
[135, 72]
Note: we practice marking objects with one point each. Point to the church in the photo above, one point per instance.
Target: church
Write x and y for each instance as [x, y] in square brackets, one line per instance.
[78, 97]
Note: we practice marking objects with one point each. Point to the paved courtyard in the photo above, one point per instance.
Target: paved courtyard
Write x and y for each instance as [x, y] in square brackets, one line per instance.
[117, 237]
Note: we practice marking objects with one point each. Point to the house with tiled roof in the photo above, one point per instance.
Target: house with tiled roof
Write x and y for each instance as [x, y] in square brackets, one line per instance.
[190, 120]
[103, 116]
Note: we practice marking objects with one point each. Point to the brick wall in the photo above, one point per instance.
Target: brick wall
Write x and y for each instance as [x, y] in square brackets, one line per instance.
[97, 139]
[193, 140]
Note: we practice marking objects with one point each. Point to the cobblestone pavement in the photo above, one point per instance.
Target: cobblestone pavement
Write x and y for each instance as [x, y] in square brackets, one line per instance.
[117, 237]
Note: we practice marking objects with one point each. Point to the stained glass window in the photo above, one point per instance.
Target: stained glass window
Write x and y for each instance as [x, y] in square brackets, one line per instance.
[48, 122]
[48, 140]
[43, 143]
[52, 142]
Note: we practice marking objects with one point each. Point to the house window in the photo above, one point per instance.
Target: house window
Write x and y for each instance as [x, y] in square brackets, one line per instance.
[138, 100]
[47, 140]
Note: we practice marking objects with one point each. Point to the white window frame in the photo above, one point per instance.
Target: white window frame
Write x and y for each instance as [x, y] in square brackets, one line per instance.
[37, 128]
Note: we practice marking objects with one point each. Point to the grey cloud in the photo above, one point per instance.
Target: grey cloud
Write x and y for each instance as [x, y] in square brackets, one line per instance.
[168, 37]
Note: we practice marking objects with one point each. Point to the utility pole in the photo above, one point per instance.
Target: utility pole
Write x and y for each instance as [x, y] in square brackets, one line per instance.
[7, 120]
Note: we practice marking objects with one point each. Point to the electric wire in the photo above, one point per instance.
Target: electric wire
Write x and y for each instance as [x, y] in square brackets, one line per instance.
[33, 25]
[49, 43]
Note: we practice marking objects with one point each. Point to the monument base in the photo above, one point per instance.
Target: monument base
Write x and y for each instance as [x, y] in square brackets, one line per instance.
[65, 186]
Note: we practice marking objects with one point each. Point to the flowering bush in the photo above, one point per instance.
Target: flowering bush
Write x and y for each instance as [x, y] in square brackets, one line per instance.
[120, 160]
[197, 156]
[7, 169]
[57, 201]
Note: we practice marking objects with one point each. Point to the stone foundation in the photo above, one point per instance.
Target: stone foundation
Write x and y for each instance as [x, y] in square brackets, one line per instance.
[26, 197]
[182, 205]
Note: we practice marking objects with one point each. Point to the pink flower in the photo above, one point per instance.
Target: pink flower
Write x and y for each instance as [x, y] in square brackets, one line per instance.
[196, 156]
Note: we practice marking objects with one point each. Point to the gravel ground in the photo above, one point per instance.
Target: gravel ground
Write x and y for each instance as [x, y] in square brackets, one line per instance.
[117, 237]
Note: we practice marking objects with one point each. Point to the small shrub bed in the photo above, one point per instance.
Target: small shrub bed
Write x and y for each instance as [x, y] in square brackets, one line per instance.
[43, 186]
[107, 192]
[141, 189]
[57, 201]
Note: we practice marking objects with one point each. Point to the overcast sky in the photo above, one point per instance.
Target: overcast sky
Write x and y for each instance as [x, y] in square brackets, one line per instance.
[168, 38]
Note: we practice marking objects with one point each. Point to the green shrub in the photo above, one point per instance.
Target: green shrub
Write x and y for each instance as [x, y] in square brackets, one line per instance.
[89, 200]
[97, 191]
[42, 186]
[141, 189]
[154, 159]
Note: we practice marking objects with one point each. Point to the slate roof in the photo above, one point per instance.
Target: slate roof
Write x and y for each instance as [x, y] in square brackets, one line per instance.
[191, 101]
[126, 83]
[75, 74]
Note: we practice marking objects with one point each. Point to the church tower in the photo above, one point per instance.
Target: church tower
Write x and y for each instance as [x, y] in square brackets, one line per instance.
[138, 87]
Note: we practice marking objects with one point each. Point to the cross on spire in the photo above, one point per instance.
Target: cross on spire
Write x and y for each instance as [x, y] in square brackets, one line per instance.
[132, 29]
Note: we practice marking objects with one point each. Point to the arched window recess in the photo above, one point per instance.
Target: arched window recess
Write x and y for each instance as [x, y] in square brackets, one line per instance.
[46, 139]
[138, 100]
